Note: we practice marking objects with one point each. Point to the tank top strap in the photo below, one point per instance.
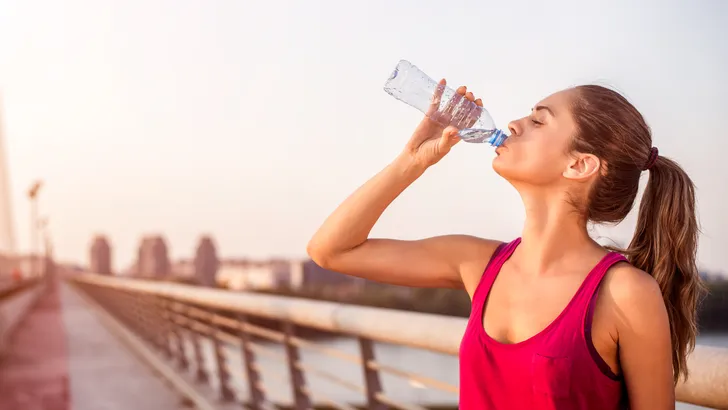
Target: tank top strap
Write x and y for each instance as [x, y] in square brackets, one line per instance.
[582, 315]
[499, 257]
[587, 293]
[594, 279]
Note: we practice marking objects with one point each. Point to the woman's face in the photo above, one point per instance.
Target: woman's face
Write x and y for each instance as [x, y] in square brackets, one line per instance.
[538, 150]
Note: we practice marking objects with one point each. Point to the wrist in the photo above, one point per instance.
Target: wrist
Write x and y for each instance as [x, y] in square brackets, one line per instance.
[407, 166]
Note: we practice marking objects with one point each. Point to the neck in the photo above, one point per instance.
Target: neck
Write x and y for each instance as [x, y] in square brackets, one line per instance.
[554, 233]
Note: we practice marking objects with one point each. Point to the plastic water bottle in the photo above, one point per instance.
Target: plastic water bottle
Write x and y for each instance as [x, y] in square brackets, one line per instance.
[409, 84]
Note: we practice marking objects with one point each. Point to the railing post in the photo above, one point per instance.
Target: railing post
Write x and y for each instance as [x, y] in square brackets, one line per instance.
[298, 381]
[223, 375]
[165, 321]
[154, 321]
[371, 375]
[200, 372]
[257, 395]
[135, 316]
[124, 298]
[140, 317]
[177, 330]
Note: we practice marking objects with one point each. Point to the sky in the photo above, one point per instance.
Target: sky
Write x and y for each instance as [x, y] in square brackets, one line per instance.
[251, 121]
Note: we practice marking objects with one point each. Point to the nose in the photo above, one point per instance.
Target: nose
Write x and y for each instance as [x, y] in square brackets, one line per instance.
[515, 127]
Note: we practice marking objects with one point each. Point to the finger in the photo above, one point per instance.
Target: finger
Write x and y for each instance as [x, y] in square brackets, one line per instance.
[463, 116]
[461, 112]
[473, 115]
[464, 110]
[449, 138]
[453, 107]
[459, 106]
[437, 97]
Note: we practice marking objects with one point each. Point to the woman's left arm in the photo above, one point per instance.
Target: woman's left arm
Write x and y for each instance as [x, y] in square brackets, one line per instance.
[645, 347]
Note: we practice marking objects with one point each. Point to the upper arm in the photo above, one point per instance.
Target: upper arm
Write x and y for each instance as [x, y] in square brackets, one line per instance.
[449, 261]
[645, 347]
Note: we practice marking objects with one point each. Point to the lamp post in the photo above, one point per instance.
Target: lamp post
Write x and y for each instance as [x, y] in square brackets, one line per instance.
[33, 196]
[44, 234]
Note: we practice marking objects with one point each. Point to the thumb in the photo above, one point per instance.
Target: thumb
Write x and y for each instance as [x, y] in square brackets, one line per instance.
[448, 139]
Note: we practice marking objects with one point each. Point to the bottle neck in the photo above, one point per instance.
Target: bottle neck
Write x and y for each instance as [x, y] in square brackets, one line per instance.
[498, 138]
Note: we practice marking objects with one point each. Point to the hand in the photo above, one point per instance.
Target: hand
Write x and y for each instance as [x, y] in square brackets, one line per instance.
[431, 140]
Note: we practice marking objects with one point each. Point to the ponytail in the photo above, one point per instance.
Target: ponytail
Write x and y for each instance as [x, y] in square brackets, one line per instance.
[665, 246]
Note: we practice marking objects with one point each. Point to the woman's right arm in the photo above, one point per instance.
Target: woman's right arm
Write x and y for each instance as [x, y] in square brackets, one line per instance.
[342, 243]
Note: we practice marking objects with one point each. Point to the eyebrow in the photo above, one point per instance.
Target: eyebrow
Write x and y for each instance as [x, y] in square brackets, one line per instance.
[543, 107]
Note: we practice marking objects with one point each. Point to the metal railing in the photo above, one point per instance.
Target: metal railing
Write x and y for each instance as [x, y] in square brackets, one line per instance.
[201, 330]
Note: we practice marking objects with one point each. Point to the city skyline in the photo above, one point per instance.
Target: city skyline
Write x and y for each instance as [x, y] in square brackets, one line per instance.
[251, 122]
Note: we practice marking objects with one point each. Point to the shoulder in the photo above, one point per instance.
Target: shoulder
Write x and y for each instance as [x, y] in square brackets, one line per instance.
[475, 247]
[645, 351]
[632, 287]
[634, 297]
[474, 255]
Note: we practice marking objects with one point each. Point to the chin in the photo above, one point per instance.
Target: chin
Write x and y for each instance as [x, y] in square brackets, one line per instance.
[499, 167]
[506, 170]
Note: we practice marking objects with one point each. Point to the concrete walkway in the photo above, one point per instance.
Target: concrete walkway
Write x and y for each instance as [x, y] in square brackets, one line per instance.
[63, 358]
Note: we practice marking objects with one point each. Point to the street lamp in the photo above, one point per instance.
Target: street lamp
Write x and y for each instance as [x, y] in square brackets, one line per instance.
[33, 196]
[45, 254]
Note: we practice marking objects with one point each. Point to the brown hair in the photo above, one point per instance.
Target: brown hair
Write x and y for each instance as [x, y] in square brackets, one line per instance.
[665, 240]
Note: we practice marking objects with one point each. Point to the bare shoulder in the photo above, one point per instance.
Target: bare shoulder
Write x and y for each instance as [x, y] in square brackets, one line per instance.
[635, 297]
[632, 287]
[474, 254]
[474, 245]
[642, 324]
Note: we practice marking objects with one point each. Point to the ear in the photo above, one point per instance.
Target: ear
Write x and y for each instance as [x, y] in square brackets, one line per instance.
[582, 167]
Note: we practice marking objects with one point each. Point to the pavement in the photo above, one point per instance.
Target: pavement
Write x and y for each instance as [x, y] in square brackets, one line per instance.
[62, 357]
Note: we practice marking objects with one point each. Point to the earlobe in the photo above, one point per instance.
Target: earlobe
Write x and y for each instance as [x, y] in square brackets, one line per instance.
[582, 167]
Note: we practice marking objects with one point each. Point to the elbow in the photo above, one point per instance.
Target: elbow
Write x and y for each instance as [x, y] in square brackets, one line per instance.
[319, 254]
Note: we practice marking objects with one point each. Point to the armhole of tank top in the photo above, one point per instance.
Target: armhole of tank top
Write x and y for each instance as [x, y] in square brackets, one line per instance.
[498, 251]
[588, 320]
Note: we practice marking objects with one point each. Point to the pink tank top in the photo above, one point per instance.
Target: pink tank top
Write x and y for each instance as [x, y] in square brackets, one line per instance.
[558, 368]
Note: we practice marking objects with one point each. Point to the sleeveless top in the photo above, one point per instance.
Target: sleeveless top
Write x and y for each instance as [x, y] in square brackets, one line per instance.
[558, 368]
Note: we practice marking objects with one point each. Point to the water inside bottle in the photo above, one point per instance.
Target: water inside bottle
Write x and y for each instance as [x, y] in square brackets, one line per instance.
[475, 135]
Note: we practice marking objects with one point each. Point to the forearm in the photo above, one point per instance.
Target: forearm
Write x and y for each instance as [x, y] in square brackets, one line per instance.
[352, 221]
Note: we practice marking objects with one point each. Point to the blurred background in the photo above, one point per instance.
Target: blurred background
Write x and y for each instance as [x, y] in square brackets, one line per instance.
[194, 147]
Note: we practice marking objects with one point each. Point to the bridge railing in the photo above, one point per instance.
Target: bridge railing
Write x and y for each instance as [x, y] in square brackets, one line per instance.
[16, 297]
[186, 322]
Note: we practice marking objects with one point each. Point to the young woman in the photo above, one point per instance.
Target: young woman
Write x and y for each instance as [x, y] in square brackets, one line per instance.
[557, 321]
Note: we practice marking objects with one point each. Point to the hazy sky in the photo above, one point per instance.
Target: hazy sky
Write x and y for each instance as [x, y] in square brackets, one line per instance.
[252, 120]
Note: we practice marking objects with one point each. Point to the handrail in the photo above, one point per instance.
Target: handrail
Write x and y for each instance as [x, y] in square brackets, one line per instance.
[15, 300]
[708, 366]
[428, 331]
[8, 289]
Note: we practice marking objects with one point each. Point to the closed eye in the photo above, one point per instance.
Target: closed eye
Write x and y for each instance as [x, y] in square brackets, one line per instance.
[536, 122]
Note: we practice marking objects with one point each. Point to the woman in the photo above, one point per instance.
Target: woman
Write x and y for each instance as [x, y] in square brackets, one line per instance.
[557, 321]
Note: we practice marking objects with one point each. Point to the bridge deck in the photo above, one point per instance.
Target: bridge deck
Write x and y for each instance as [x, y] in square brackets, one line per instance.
[63, 358]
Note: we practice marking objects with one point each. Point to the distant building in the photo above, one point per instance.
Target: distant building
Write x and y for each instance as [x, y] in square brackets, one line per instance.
[243, 274]
[152, 258]
[274, 274]
[182, 269]
[100, 256]
[206, 262]
[313, 275]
